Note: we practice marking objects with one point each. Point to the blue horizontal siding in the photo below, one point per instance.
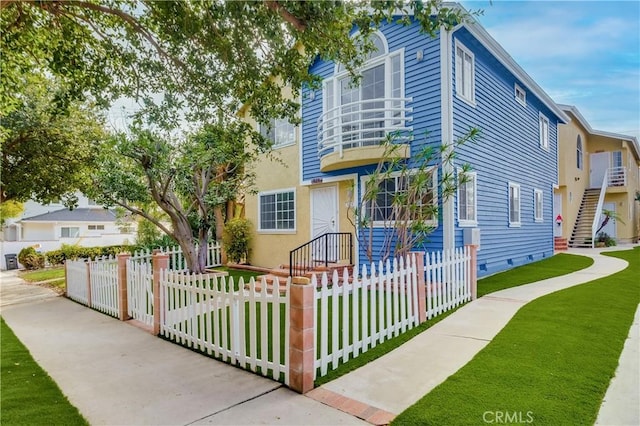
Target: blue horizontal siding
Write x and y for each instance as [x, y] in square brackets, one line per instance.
[508, 151]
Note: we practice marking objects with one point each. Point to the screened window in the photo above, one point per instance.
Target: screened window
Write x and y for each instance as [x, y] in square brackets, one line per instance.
[514, 204]
[467, 189]
[279, 131]
[69, 232]
[465, 73]
[277, 211]
[96, 227]
[537, 205]
[579, 156]
[544, 132]
[404, 197]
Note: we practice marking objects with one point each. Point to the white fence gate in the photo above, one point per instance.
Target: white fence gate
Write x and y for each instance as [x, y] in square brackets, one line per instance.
[77, 281]
[104, 285]
[140, 291]
[356, 313]
[241, 326]
[176, 257]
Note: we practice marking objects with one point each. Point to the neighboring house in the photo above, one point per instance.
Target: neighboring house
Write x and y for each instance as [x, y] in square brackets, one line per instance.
[594, 162]
[47, 227]
[413, 84]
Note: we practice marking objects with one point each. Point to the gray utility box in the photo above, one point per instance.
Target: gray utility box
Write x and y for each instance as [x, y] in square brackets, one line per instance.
[11, 261]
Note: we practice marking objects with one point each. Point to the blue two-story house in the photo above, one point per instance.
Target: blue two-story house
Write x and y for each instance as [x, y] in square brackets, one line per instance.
[425, 91]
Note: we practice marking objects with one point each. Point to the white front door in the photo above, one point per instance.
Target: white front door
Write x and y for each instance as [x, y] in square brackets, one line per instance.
[557, 211]
[599, 163]
[324, 214]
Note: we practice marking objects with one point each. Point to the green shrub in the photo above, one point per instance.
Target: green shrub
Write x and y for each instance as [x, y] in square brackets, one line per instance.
[30, 259]
[236, 239]
[604, 238]
[55, 257]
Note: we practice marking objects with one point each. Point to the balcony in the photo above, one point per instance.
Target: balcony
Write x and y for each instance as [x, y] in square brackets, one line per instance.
[350, 135]
[617, 176]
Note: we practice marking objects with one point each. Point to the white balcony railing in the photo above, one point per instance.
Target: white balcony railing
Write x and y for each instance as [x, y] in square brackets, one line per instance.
[363, 123]
[617, 176]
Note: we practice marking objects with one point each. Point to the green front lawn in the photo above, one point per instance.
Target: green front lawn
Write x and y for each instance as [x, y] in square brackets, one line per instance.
[560, 264]
[43, 274]
[551, 364]
[27, 394]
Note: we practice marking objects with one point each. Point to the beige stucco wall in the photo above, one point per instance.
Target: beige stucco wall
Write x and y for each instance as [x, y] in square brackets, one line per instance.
[572, 182]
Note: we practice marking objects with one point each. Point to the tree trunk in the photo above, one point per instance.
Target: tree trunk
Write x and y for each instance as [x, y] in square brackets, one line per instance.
[219, 216]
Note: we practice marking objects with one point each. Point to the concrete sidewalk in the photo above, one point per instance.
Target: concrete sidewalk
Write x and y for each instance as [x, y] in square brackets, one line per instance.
[397, 380]
[117, 374]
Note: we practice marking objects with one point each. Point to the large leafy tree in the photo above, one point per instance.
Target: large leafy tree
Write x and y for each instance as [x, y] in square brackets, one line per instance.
[190, 178]
[47, 152]
[196, 62]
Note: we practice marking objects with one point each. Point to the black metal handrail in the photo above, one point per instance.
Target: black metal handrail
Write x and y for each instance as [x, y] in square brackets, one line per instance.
[327, 248]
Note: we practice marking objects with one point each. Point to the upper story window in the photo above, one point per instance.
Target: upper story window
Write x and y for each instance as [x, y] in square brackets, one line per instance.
[363, 114]
[467, 204]
[544, 132]
[521, 95]
[579, 156]
[616, 159]
[279, 131]
[514, 205]
[397, 199]
[277, 210]
[465, 74]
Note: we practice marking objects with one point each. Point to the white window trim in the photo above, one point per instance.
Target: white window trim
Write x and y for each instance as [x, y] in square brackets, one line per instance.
[536, 218]
[464, 223]
[517, 88]
[543, 118]
[579, 150]
[70, 227]
[471, 100]
[295, 212]
[517, 223]
[382, 224]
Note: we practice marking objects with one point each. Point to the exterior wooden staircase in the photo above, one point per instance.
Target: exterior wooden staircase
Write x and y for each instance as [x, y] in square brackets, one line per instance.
[560, 244]
[581, 235]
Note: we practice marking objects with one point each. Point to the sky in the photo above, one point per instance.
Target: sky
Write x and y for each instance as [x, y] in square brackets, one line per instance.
[582, 53]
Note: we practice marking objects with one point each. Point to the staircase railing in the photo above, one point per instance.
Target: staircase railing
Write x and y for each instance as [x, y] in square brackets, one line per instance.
[327, 248]
[596, 218]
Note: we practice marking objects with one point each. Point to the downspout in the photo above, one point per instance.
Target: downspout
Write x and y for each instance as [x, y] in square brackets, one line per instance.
[446, 118]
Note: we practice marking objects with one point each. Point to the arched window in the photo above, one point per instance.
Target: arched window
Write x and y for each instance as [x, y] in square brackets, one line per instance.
[379, 44]
[579, 157]
[361, 115]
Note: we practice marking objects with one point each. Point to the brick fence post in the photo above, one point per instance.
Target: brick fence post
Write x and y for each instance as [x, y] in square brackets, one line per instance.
[473, 270]
[422, 290]
[123, 315]
[301, 344]
[160, 262]
[88, 266]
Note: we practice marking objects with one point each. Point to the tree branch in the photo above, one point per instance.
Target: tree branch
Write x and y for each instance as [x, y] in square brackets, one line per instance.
[297, 23]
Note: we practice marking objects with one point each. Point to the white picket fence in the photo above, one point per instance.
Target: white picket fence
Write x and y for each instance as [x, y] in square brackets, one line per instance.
[447, 278]
[241, 326]
[140, 291]
[176, 257]
[357, 313]
[77, 281]
[104, 285]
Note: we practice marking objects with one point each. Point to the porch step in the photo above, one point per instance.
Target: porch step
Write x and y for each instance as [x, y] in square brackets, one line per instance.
[560, 244]
[281, 274]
